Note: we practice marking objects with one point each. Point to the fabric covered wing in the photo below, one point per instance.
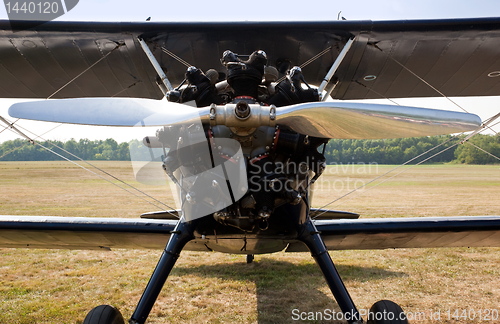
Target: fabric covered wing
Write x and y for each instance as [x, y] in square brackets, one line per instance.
[420, 232]
[37, 63]
[86, 233]
[455, 56]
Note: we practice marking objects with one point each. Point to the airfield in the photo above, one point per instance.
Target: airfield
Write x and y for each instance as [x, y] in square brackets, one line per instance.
[52, 286]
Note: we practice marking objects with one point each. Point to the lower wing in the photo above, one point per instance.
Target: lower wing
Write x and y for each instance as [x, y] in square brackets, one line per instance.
[338, 234]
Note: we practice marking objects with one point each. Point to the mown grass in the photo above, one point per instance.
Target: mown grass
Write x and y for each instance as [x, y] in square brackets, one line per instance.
[48, 286]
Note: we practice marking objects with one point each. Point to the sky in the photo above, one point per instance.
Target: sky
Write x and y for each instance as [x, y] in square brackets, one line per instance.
[216, 10]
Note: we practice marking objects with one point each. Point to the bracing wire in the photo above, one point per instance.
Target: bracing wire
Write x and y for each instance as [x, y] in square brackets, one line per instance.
[315, 57]
[377, 93]
[9, 124]
[306, 63]
[79, 75]
[4, 129]
[177, 58]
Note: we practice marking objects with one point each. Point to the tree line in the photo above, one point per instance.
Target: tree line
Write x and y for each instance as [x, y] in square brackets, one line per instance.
[22, 150]
[387, 151]
[400, 150]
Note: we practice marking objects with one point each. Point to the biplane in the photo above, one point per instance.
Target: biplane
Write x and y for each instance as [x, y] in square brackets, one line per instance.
[243, 120]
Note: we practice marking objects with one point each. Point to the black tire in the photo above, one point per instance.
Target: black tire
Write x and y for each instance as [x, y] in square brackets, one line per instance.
[386, 312]
[104, 314]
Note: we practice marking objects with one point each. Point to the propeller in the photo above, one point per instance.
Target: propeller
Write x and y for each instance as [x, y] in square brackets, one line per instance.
[210, 187]
[338, 119]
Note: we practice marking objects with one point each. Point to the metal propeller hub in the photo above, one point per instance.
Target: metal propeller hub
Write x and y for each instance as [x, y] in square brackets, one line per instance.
[242, 110]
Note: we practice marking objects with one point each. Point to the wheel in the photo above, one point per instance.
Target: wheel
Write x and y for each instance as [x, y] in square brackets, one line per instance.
[249, 258]
[104, 314]
[386, 312]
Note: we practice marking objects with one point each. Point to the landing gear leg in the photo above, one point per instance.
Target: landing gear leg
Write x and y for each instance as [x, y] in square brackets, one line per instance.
[182, 234]
[312, 239]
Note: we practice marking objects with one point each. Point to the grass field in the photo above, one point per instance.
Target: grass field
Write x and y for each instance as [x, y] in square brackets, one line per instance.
[47, 286]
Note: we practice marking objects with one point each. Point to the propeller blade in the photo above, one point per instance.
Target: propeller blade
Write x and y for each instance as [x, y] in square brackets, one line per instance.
[108, 111]
[351, 120]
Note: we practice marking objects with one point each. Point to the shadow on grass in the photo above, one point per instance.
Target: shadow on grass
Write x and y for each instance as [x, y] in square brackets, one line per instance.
[284, 286]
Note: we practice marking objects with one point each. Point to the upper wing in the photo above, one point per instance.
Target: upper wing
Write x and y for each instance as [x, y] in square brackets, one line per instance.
[343, 234]
[455, 56]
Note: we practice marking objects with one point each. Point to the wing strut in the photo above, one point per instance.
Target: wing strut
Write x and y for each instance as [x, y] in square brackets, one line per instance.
[166, 86]
[332, 71]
